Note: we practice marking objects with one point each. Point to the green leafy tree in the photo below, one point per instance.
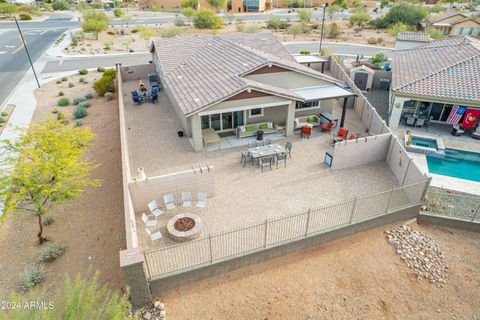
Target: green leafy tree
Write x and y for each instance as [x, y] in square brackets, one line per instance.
[7, 8]
[61, 5]
[409, 14]
[47, 166]
[384, 3]
[95, 22]
[146, 33]
[217, 4]
[81, 298]
[359, 17]
[188, 12]
[207, 19]
[304, 15]
[331, 10]
[190, 4]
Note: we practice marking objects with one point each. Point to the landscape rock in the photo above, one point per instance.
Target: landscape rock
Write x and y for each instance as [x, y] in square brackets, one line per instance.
[420, 253]
[108, 96]
[153, 311]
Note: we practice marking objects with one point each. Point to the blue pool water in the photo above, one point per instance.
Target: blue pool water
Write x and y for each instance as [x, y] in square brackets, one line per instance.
[457, 163]
[424, 142]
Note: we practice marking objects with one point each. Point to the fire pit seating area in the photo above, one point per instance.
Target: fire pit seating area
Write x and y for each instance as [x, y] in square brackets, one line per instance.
[311, 121]
[250, 130]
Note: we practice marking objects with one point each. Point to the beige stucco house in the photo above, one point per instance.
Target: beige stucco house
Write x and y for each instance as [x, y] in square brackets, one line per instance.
[455, 23]
[229, 82]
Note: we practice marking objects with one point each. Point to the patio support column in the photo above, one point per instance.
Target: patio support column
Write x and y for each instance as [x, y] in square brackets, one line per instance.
[196, 126]
[344, 111]
[290, 119]
[396, 112]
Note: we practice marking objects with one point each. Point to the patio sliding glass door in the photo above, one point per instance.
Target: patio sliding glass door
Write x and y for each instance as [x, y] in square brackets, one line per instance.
[225, 121]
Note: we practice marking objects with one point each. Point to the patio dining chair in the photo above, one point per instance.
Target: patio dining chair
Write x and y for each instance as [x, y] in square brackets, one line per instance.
[281, 158]
[246, 157]
[154, 236]
[186, 199]
[327, 127]
[201, 199]
[253, 144]
[169, 201]
[265, 162]
[267, 141]
[288, 147]
[420, 123]
[154, 209]
[148, 222]
[136, 97]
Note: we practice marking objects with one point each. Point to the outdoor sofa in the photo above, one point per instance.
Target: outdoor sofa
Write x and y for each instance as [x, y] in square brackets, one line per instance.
[250, 130]
[312, 120]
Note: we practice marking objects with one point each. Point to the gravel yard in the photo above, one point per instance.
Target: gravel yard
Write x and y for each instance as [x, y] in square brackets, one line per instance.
[358, 277]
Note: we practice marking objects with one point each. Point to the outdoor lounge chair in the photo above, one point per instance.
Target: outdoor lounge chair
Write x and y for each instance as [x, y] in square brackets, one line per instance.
[153, 95]
[476, 133]
[153, 206]
[201, 199]
[327, 127]
[136, 97]
[353, 136]
[154, 236]
[420, 123]
[169, 201]
[306, 131]
[288, 147]
[148, 222]
[340, 135]
[187, 199]
[411, 121]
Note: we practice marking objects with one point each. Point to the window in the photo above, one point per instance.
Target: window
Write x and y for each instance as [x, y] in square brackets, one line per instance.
[306, 105]
[257, 112]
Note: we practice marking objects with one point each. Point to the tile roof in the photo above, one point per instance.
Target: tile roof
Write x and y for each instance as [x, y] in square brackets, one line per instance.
[413, 36]
[204, 70]
[447, 15]
[447, 68]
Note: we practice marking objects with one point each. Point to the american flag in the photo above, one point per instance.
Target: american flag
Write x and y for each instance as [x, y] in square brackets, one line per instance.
[456, 114]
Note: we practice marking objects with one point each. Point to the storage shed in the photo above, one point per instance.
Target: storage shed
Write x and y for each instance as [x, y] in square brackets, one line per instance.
[362, 77]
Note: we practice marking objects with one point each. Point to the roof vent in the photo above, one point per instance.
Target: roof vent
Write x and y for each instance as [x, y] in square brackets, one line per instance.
[249, 90]
[269, 65]
[196, 100]
[245, 64]
[179, 77]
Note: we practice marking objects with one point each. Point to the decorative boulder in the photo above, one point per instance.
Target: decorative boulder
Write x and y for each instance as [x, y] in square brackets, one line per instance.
[108, 96]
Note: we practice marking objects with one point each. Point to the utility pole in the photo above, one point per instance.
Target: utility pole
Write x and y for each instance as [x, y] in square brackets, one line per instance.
[321, 34]
[26, 50]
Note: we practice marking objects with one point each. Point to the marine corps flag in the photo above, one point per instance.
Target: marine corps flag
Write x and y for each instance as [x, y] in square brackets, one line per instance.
[471, 116]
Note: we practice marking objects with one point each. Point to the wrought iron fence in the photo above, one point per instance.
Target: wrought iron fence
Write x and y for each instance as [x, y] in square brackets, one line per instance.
[266, 234]
[445, 203]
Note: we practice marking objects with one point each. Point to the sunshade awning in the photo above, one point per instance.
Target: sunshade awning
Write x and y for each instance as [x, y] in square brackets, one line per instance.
[310, 59]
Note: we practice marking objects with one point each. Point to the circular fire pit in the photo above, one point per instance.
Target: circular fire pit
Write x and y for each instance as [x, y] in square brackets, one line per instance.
[184, 227]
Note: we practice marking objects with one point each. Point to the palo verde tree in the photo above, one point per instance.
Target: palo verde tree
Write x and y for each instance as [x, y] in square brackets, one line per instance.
[217, 4]
[45, 166]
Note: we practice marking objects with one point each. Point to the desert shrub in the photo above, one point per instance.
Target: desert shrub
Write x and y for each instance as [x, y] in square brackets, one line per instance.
[178, 21]
[299, 28]
[83, 71]
[380, 40]
[325, 52]
[79, 100]
[305, 52]
[372, 40]
[3, 120]
[54, 110]
[117, 12]
[3, 114]
[61, 5]
[111, 73]
[436, 9]
[131, 50]
[134, 31]
[78, 123]
[104, 85]
[63, 102]
[84, 104]
[80, 112]
[111, 33]
[251, 28]
[359, 17]
[333, 30]
[47, 220]
[61, 94]
[31, 276]
[276, 23]
[101, 69]
[51, 252]
[71, 85]
[170, 32]
[304, 15]
[25, 16]
[394, 29]
[60, 117]
[88, 95]
[207, 19]
[81, 80]
[59, 81]
[379, 58]
[64, 79]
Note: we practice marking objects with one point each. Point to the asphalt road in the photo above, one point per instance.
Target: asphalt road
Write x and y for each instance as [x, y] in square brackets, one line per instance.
[13, 58]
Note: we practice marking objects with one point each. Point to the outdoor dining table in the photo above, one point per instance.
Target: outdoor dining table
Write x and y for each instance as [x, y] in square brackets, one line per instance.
[266, 151]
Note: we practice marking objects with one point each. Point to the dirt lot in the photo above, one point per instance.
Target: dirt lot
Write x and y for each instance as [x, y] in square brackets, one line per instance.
[91, 226]
[132, 41]
[359, 277]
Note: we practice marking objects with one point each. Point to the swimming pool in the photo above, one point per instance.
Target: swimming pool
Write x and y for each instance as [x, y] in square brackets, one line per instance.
[424, 142]
[456, 163]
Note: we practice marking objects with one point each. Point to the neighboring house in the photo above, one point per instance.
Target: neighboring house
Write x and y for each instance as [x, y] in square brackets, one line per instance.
[455, 23]
[239, 6]
[226, 82]
[409, 40]
[431, 79]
